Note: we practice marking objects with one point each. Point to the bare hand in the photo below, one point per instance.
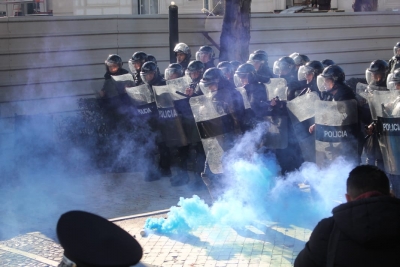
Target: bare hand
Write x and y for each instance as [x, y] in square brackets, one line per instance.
[370, 129]
[273, 102]
[189, 91]
[311, 129]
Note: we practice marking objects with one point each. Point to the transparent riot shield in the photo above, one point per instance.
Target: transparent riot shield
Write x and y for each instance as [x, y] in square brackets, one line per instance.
[336, 131]
[178, 87]
[142, 98]
[169, 121]
[216, 129]
[181, 103]
[362, 94]
[123, 81]
[277, 87]
[301, 112]
[277, 135]
[385, 109]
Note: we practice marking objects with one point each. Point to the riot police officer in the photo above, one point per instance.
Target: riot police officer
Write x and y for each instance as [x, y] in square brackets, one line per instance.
[149, 74]
[259, 59]
[309, 73]
[375, 75]
[331, 83]
[135, 64]
[227, 70]
[394, 62]
[377, 72]
[113, 65]
[206, 56]
[285, 67]
[195, 71]
[299, 59]
[183, 55]
[246, 77]
[173, 71]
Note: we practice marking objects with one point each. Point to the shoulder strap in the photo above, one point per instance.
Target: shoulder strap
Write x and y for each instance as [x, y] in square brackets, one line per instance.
[332, 246]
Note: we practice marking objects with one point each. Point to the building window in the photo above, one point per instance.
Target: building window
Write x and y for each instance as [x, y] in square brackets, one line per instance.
[148, 6]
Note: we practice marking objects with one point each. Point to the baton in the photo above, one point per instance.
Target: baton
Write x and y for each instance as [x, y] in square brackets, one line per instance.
[182, 94]
[367, 136]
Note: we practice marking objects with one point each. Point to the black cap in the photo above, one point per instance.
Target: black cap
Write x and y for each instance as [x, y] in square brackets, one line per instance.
[90, 240]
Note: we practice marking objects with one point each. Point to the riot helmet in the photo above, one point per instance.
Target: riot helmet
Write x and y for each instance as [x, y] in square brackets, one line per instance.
[396, 50]
[299, 59]
[210, 80]
[263, 54]
[195, 70]
[151, 58]
[182, 53]
[149, 73]
[205, 54]
[393, 80]
[284, 66]
[327, 62]
[245, 74]
[136, 61]
[235, 64]
[329, 77]
[227, 69]
[377, 72]
[310, 71]
[257, 60]
[173, 71]
[113, 63]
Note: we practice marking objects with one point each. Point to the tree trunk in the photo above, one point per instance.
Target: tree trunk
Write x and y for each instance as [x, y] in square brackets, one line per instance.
[235, 36]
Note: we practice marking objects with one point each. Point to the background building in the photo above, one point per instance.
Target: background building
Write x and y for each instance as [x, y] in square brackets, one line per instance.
[133, 7]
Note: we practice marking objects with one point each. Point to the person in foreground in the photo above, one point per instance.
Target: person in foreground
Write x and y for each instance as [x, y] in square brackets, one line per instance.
[92, 241]
[365, 231]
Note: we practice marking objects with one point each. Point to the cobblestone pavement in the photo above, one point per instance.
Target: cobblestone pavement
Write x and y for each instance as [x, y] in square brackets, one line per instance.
[266, 244]
[261, 244]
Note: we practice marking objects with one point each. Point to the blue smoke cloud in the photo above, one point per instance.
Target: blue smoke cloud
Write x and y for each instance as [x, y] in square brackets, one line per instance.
[257, 192]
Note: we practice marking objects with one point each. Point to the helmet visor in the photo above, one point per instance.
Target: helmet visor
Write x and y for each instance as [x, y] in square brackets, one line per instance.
[241, 79]
[132, 65]
[203, 56]
[208, 87]
[393, 81]
[303, 72]
[147, 77]
[374, 78]
[396, 51]
[170, 74]
[321, 83]
[280, 67]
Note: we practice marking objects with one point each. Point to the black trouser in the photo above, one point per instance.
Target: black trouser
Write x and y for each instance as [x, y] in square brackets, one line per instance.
[395, 184]
[165, 156]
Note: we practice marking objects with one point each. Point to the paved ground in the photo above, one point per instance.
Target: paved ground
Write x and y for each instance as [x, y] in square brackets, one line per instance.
[261, 244]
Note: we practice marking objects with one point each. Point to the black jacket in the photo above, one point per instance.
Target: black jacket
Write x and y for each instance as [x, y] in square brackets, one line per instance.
[394, 63]
[343, 93]
[369, 235]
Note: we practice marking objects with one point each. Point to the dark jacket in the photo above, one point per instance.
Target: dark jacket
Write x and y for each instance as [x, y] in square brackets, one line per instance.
[369, 235]
[209, 64]
[343, 93]
[264, 74]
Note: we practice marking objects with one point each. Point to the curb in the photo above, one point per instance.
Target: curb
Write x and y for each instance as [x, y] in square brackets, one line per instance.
[157, 212]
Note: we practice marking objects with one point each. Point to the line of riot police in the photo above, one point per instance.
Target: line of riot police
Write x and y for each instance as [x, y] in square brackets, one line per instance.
[308, 111]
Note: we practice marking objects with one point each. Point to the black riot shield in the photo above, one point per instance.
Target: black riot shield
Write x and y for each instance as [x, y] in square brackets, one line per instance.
[181, 103]
[336, 131]
[385, 109]
[216, 129]
[123, 81]
[169, 121]
[277, 135]
[302, 115]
